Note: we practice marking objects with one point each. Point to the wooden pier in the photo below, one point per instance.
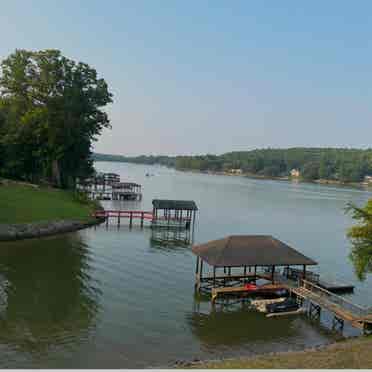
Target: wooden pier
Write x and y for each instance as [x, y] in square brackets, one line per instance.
[343, 309]
[231, 291]
[118, 215]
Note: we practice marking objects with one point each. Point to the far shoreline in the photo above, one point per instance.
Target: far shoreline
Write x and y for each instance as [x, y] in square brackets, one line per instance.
[323, 182]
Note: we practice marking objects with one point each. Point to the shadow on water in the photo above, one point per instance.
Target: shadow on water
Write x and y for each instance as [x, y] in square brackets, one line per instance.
[237, 327]
[48, 293]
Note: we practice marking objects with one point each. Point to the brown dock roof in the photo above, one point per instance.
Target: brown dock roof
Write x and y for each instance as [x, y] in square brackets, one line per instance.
[174, 204]
[250, 250]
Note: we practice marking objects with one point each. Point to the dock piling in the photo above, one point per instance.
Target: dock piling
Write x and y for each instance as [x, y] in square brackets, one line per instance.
[337, 324]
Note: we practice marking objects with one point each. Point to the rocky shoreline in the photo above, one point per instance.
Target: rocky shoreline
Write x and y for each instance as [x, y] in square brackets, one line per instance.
[321, 356]
[11, 232]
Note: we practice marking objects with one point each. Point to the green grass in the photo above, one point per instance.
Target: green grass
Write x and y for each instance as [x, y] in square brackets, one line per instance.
[24, 204]
[350, 354]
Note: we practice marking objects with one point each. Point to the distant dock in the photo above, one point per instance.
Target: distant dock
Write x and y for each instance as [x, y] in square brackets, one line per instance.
[107, 186]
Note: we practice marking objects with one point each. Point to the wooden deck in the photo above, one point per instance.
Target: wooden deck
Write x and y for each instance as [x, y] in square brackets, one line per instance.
[243, 290]
[232, 277]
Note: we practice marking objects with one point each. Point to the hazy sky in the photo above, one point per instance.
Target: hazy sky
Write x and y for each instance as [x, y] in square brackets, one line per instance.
[214, 76]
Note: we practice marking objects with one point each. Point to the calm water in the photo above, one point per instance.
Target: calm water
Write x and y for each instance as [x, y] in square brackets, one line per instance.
[109, 298]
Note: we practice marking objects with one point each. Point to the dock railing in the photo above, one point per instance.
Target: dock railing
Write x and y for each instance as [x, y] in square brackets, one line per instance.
[335, 299]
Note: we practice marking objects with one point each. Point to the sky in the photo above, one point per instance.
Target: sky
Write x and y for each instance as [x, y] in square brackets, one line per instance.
[197, 77]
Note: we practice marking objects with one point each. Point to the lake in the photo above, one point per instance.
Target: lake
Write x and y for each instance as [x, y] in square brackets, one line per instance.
[109, 298]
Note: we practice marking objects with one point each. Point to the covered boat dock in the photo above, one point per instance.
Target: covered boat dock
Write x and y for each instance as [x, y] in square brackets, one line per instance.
[251, 257]
[179, 214]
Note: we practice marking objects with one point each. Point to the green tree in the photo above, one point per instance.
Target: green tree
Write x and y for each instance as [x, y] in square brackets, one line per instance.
[361, 238]
[310, 171]
[53, 109]
[325, 168]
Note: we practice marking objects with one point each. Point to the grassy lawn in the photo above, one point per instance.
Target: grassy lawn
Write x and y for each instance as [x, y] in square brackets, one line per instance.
[355, 353]
[21, 204]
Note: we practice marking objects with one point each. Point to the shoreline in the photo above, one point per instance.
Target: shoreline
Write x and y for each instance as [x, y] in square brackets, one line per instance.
[324, 356]
[22, 231]
[25, 199]
[354, 185]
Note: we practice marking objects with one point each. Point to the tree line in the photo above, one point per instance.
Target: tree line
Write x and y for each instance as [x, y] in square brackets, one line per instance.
[51, 111]
[346, 165]
[339, 164]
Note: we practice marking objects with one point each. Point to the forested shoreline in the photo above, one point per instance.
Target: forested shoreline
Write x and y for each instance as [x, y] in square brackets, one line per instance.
[332, 164]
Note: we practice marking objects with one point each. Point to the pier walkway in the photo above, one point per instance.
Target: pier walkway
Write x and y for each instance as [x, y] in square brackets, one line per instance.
[343, 309]
[140, 216]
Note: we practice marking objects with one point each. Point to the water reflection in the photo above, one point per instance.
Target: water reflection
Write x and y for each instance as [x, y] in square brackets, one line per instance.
[171, 238]
[48, 292]
[238, 325]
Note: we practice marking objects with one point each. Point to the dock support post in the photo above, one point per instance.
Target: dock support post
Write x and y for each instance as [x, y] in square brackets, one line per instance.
[130, 219]
[107, 219]
[118, 218]
[142, 217]
[200, 275]
[193, 221]
[300, 300]
[337, 324]
[314, 311]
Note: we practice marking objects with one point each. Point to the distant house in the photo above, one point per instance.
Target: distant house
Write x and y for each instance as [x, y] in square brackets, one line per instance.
[236, 171]
[368, 179]
[295, 173]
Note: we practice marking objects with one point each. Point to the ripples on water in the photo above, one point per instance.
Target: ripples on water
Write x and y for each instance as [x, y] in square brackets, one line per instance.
[109, 297]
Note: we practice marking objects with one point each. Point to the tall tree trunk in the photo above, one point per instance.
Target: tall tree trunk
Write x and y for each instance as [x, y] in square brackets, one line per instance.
[56, 173]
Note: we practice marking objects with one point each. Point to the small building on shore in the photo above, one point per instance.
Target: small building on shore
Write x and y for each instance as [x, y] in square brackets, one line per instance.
[236, 171]
[368, 180]
[295, 173]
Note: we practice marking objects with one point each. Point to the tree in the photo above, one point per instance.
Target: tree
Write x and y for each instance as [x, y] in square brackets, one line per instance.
[310, 171]
[53, 109]
[325, 168]
[361, 238]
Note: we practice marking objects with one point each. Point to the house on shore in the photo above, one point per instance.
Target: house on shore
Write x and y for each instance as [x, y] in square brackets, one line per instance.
[235, 171]
[367, 180]
[295, 173]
